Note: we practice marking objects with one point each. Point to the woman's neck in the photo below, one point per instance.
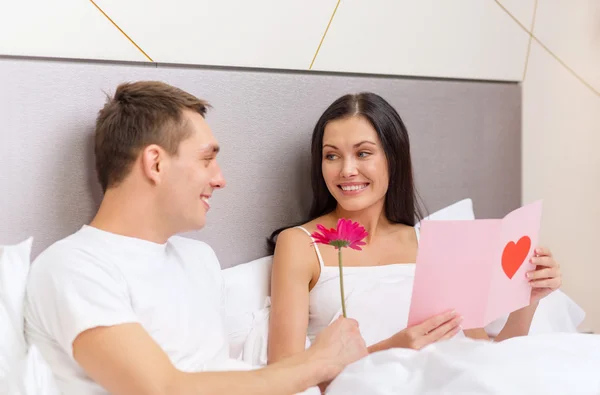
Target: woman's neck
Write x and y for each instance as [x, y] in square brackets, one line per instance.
[373, 219]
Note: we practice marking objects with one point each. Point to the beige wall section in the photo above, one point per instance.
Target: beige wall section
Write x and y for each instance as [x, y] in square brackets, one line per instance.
[470, 39]
[61, 28]
[432, 38]
[561, 142]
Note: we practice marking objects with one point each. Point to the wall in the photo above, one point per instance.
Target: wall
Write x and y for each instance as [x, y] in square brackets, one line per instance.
[425, 38]
[470, 39]
[561, 139]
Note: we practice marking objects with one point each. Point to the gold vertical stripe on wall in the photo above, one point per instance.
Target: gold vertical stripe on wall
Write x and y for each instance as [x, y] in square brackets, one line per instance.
[559, 60]
[324, 34]
[121, 30]
[531, 30]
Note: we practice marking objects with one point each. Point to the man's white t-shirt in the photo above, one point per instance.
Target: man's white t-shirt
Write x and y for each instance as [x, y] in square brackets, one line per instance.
[95, 278]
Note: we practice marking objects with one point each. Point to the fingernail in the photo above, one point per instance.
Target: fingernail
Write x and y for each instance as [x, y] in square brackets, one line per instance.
[528, 274]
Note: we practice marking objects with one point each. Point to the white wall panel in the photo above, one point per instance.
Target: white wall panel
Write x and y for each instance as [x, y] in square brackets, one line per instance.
[521, 9]
[64, 28]
[561, 136]
[260, 33]
[571, 30]
[457, 39]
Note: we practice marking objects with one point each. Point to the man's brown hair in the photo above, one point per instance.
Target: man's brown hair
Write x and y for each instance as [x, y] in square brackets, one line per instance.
[140, 113]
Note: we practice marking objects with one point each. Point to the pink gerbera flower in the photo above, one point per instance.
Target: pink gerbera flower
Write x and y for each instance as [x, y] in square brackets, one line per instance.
[347, 234]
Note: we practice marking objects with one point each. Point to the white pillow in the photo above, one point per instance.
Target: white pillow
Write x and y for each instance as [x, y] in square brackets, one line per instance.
[23, 370]
[461, 210]
[247, 310]
[14, 270]
[247, 287]
[31, 376]
[255, 347]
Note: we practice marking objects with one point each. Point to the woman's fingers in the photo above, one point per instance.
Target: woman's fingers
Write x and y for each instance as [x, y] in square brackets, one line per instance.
[545, 261]
[436, 321]
[441, 331]
[543, 251]
[552, 283]
[542, 274]
[450, 334]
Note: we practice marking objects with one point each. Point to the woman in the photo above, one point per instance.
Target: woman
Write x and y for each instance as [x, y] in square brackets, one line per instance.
[361, 170]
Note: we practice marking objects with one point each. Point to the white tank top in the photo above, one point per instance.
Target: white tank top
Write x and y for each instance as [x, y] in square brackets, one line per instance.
[378, 297]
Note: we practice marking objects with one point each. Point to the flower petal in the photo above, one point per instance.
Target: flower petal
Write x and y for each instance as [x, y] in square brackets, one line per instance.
[347, 234]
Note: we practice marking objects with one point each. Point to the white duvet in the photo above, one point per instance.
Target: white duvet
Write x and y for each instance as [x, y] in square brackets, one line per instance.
[546, 364]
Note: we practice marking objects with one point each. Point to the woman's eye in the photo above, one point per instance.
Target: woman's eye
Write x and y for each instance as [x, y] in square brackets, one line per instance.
[363, 154]
[330, 156]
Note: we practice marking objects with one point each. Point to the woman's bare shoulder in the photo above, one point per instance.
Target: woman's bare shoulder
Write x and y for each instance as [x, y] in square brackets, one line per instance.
[325, 220]
[293, 241]
[294, 256]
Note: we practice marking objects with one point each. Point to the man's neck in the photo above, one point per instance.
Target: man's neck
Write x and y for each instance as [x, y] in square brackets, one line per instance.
[132, 215]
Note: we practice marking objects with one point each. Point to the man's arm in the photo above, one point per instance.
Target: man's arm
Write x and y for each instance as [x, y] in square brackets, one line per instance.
[125, 360]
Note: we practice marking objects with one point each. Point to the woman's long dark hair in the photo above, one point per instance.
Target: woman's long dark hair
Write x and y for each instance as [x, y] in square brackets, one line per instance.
[401, 204]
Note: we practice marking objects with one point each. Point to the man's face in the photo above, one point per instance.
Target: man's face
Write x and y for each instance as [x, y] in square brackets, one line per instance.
[190, 177]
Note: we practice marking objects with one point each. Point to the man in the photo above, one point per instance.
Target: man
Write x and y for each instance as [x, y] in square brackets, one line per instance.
[123, 306]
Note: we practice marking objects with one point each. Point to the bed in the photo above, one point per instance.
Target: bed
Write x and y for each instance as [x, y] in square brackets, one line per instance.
[466, 143]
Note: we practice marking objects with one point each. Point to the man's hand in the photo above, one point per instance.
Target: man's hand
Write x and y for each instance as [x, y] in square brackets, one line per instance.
[339, 345]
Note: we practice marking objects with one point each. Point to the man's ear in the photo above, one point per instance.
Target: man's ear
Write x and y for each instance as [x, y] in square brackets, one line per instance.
[153, 163]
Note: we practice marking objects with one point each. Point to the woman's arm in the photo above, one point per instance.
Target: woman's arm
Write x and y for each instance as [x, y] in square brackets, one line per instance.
[477, 334]
[437, 328]
[517, 324]
[293, 269]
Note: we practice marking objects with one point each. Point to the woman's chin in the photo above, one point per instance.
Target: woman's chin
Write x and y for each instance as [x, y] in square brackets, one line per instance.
[353, 205]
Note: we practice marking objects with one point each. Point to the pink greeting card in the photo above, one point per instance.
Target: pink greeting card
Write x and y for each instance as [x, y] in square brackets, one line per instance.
[477, 267]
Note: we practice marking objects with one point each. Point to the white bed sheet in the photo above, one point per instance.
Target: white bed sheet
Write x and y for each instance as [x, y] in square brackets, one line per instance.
[548, 364]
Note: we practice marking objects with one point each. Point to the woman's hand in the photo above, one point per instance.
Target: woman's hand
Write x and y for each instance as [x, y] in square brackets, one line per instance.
[546, 278]
[437, 328]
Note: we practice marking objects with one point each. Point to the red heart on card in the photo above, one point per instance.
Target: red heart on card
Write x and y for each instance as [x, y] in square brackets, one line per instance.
[514, 255]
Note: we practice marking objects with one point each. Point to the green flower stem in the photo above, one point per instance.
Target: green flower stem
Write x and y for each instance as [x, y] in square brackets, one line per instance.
[342, 282]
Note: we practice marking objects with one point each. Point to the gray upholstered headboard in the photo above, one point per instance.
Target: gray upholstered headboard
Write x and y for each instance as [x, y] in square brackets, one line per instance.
[466, 142]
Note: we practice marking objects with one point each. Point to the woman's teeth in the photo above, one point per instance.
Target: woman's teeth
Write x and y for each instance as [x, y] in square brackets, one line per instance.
[353, 187]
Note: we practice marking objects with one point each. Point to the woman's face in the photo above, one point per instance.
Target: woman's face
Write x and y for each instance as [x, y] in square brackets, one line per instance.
[354, 164]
